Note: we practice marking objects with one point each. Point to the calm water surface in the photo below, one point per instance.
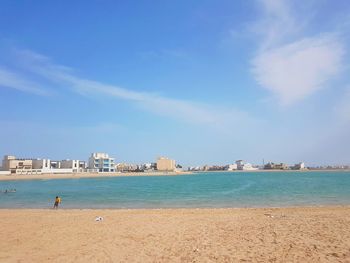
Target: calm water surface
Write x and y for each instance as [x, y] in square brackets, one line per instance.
[253, 189]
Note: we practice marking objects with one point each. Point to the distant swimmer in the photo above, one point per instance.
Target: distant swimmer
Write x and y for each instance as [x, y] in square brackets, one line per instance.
[9, 191]
[57, 202]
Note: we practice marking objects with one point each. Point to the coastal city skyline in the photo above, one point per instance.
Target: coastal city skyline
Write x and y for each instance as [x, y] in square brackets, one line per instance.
[205, 83]
[104, 163]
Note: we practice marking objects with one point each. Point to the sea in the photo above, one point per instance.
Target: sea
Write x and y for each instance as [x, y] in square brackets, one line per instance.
[197, 190]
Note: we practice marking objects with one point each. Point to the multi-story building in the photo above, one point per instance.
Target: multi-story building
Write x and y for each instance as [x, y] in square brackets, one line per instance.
[125, 167]
[101, 162]
[299, 166]
[149, 166]
[70, 164]
[44, 164]
[11, 163]
[165, 164]
[276, 166]
[231, 167]
[75, 165]
[241, 165]
[55, 164]
[82, 165]
[6, 162]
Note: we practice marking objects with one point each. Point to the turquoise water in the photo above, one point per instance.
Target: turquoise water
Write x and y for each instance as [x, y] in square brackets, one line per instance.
[253, 189]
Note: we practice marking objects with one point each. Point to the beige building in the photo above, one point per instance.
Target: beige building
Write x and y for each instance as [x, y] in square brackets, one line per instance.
[10, 163]
[70, 164]
[165, 164]
[44, 164]
[125, 167]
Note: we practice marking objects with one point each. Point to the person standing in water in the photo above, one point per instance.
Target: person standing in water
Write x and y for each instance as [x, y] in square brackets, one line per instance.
[57, 202]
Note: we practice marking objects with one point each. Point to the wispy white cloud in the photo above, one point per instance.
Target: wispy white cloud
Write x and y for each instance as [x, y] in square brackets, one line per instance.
[297, 70]
[276, 24]
[185, 110]
[289, 66]
[9, 79]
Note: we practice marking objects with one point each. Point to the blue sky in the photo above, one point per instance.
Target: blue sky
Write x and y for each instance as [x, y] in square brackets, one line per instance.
[203, 82]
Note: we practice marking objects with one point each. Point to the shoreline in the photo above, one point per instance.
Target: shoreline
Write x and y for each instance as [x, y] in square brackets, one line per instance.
[294, 207]
[15, 177]
[302, 234]
[276, 170]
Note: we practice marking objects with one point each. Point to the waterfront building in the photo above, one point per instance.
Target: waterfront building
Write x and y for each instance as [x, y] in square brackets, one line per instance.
[71, 164]
[276, 166]
[43, 164]
[11, 163]
[101, 162]
[241, 165]
[75, 165]
[197, 168]
[165, 164]
[55, 164]
[6, 162]
[231, 167]
[204, 168]
[149, 166]
[32, 166]
[217, 168]
[126, 167]
[249, 167]
[83, 165]
[299, 166]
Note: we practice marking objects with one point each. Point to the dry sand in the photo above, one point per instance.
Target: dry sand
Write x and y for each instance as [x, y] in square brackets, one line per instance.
[176, 235]
[13, 177]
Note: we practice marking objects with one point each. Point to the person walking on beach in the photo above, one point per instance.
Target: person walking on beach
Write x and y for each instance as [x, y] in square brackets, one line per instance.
[57, 202]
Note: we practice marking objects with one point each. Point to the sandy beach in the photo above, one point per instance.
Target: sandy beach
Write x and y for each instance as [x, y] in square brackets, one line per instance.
[317, 234]
[13, 177]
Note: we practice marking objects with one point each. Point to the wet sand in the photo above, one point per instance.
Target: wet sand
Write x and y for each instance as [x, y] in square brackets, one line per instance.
[315, 234]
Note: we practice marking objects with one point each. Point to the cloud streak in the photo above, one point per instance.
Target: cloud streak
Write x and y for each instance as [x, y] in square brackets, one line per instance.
[12, 80]
[183, 110]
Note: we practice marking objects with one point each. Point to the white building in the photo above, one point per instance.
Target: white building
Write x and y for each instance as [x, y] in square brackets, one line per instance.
[248, 167]
[299, 166]
[241, 165]
[101, 162]
[231, 167]
[82, 165]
